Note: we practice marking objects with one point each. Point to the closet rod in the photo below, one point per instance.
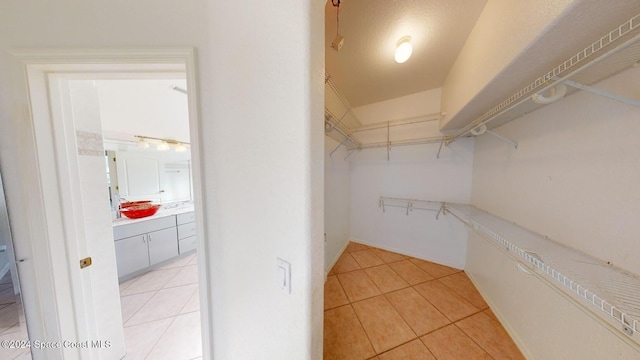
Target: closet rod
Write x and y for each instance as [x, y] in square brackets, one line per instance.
[431, 140]
[401, 122]
[409, 204]
[328, 127]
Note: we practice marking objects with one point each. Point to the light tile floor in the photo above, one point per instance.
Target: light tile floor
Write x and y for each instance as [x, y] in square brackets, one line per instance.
[12, 322]
[382, 305]
[161, 313]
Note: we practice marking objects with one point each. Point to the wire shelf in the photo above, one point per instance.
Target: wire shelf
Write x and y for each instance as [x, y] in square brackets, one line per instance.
[613, 52]
[610, 293]
[341, 124]
[411, 204]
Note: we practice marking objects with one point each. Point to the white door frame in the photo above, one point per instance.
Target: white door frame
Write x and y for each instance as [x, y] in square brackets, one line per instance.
[51, 313]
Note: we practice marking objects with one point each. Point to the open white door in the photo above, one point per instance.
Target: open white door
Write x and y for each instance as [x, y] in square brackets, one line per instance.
[80, 243]
[87, 217]
[71, 308]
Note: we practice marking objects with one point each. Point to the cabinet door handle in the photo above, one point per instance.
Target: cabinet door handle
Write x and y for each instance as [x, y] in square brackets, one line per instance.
[144, 239]
[149, 237]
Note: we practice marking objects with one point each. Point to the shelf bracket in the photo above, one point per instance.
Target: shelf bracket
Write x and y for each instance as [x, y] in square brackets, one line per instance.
[337, 147]
[441, 211]
[603, 93]
[349, 154]
[440, 148]
[409, 207]
[514, 143]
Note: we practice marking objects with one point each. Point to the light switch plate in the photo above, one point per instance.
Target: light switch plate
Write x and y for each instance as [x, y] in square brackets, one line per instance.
[283, 275]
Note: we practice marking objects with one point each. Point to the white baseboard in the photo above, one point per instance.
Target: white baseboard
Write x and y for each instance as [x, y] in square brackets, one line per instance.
[505, 324]
[403, 252]
[335, 260]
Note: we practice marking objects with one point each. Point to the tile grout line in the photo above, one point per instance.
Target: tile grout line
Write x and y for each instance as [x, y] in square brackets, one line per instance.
[173, 318]
[188, 299]
[364, 330]
[140, 308]
[438, 310]
[472, 339]
[350, 304]
[160, 337]
[393, 307]
[479, 309]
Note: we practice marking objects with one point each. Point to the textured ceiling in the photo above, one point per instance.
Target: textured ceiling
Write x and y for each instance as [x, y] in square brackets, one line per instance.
[364, 69]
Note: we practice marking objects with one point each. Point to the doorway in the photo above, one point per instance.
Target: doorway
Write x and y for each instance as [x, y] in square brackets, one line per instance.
[78, 229]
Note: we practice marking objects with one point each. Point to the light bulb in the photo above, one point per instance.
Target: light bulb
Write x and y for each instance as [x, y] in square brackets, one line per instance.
[163, 146]
[143, 144]
[403, 50]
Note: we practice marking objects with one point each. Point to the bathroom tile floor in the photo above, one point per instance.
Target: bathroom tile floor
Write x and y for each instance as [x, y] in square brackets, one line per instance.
[12, 321]
[161, 313]
[382, 305]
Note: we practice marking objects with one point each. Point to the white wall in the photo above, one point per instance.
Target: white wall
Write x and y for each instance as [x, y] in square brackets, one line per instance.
[337, 198]
[503, 31]
[413, 172]
[262, 140]
[147, 107]
[573, 178]
[574, 175]
[514, 42]
[409, 106]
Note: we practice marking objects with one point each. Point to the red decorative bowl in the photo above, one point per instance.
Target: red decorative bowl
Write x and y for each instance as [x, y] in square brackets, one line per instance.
[129, 204]
[140, 211]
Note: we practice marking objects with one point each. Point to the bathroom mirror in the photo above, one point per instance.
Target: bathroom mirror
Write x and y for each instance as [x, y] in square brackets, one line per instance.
[148, 174]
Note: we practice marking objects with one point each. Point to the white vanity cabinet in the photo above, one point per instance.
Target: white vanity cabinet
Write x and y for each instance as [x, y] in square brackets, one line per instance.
[186, 232]
[132, 254]
[145, 243]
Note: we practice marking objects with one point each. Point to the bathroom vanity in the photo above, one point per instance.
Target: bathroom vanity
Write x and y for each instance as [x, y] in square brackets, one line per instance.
[143, 244]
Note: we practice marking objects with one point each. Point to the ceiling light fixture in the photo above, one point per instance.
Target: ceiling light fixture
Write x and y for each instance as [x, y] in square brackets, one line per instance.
[339, 40]
[403, 49]
[161, 144]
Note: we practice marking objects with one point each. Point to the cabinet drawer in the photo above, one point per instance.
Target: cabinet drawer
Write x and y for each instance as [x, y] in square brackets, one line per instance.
[186, 230]
[143, 227]
[188, 244]
[186, 217]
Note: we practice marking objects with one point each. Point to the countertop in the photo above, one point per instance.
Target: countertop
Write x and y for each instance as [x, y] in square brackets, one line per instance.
[169, 210]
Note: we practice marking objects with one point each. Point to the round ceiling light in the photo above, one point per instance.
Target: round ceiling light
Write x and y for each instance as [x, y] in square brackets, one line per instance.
[403, 49]
[163, 146]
